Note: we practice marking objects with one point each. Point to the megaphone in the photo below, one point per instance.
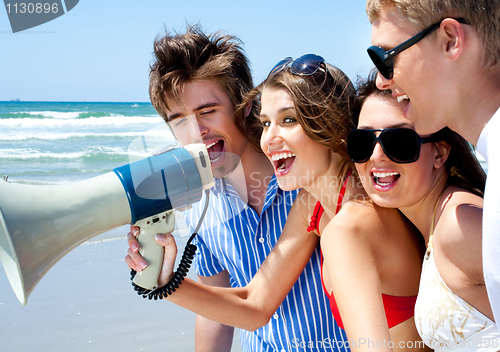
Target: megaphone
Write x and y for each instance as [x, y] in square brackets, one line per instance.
[41, 224]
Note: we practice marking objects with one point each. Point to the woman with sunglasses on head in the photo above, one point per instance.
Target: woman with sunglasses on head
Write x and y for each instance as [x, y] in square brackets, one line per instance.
[372, 256]
[437, 183]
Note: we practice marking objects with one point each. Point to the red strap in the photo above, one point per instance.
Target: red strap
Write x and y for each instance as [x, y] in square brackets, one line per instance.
[318, 209]
[342, 191]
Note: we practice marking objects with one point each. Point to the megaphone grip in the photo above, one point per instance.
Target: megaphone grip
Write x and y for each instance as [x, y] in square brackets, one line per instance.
[175, 281]
[182, 270]
[150, 250]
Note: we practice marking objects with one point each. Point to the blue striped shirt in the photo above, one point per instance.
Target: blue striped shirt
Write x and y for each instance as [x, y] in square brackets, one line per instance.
[234, 238]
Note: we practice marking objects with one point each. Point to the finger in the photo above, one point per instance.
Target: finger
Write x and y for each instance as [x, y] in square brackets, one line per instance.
[131, 264]
[139, 262]
[132, 242]
[135, 230]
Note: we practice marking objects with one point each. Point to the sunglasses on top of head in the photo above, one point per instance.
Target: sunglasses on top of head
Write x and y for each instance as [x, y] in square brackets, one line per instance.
[383, 59]
[306, 65]
[401, 145]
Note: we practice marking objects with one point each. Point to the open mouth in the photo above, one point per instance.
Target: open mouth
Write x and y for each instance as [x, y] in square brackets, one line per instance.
[404, 98]
[400, 98]
[283, 161]
[215, 150]
[384, 179]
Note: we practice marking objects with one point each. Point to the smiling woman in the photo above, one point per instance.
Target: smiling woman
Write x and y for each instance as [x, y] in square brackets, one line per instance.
[300, 119]
[286, 143]
[440, 190]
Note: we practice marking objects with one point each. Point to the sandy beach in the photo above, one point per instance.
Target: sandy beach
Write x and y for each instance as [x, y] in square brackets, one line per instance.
[86, 303]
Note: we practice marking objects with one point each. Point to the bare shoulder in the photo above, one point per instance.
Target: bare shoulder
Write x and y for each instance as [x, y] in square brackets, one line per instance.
[460, 219]
[364, 218]
[381, 239]
[346, 243]
[363, 222]
[458, 232]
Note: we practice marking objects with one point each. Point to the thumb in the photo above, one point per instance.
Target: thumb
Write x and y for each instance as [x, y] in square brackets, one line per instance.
[165, 240]
[167, 270]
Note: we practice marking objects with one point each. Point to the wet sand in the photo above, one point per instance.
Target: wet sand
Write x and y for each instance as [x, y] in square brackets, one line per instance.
[86, 303]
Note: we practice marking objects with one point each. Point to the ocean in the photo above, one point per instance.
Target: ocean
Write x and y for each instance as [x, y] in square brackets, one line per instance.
[62, 142]
[85, 302]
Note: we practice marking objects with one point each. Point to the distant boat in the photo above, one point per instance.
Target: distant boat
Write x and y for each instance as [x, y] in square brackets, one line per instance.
[15, 99]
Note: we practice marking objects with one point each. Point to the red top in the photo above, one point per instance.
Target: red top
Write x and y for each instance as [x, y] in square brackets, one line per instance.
[397, 309]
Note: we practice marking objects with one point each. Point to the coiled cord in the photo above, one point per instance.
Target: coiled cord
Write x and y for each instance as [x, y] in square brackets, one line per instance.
[175, 281]
[182, 269]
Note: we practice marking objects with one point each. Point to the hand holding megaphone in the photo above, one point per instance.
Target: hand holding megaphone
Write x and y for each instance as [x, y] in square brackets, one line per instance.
[136, 261]
[146, 231]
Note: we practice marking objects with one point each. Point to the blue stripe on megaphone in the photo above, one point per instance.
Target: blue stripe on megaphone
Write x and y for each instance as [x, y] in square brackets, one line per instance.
[160, 183]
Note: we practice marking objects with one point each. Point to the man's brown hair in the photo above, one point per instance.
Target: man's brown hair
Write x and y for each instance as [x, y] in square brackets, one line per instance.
[194, 56]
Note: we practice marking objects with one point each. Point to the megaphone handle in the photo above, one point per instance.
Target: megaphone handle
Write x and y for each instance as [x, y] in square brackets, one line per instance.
[150, 250]
[182, 270]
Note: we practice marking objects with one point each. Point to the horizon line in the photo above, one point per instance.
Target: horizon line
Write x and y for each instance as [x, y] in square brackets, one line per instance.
[69, 101]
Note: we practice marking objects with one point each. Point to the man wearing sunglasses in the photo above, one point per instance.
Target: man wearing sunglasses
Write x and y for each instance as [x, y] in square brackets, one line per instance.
[197, 81]
[444, 57]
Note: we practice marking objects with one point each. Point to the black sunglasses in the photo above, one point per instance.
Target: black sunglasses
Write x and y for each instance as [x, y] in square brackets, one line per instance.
[305, 65]
[383, 59]
[401, 145]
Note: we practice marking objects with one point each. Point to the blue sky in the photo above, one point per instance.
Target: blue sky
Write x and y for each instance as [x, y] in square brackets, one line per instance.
[101, 50]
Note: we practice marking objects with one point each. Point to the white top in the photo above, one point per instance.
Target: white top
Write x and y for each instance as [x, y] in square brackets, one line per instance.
[488, 146]
[446, 322]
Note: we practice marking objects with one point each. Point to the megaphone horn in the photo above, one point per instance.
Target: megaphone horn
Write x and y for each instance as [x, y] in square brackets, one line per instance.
[41, 224]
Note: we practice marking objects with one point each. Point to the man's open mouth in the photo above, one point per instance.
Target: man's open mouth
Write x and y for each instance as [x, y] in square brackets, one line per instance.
[215, 150]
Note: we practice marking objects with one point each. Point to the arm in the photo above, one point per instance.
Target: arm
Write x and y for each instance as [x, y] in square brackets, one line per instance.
[252, 306]
[210, 335]
[353, 274]
[458, 249]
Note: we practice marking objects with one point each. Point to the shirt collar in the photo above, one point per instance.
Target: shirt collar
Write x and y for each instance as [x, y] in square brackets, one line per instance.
[222, 186]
